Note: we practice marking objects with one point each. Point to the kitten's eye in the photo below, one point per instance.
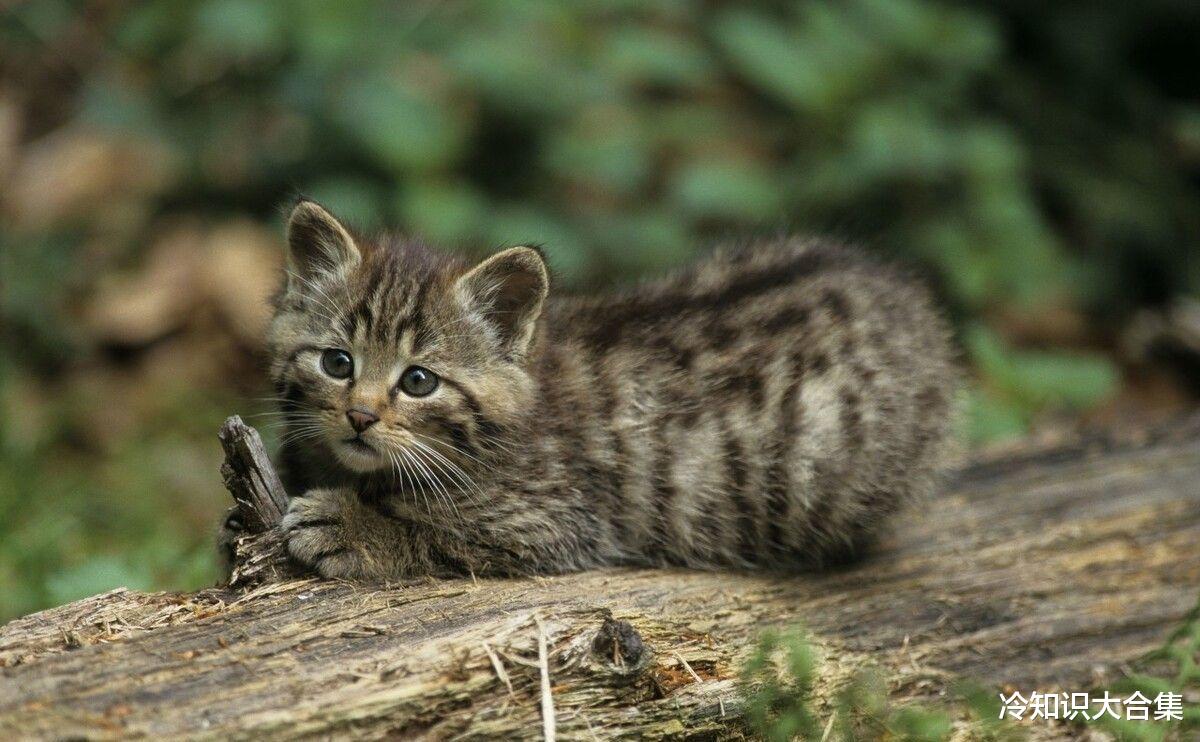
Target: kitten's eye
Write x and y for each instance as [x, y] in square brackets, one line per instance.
[418, 382]
[337, 363]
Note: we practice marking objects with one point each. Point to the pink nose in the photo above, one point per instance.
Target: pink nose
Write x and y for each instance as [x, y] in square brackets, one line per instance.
[360, 420]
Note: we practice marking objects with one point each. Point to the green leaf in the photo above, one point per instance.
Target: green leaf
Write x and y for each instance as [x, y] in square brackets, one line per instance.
[357, 200]
[650, 55]
[920, 725]
[641, 243]
[404, 129]
[764, 52]
[737, 190]
[238, 28]
[562, 243]
[449, 213]
[991, 419]
[1042, 379]
[607, 150]
[97, 575]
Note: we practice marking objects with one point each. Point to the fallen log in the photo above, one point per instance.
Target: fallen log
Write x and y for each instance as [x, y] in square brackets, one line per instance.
[1041, 570]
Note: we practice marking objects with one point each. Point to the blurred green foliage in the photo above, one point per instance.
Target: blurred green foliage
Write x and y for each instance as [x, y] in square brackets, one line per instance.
[987, 143]
[1031, 159]
[70, 526]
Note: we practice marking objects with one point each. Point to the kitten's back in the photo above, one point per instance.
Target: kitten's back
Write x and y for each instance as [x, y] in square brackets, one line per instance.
[769, 407]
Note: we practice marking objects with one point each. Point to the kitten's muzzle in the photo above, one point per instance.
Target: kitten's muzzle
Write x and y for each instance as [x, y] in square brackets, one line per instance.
[361, 419]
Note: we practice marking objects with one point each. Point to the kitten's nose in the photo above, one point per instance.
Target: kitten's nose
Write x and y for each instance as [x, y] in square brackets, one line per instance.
[361, 419]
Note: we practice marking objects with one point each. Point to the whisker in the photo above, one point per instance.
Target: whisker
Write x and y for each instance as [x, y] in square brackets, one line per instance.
[324, 299]
[453, 471]
[458, 451]
[295, 419]
[496, 443]
[424, 496]
[439, 487]
[468, 484]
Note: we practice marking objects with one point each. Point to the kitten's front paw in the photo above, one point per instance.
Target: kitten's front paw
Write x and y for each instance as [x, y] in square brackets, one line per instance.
[320, 534]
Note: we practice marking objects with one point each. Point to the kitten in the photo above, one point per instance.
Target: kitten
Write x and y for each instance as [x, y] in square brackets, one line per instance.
[768, 408]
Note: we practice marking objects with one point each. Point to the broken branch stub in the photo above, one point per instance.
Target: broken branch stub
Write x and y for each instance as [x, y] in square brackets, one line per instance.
[250, 477]
[258, 553]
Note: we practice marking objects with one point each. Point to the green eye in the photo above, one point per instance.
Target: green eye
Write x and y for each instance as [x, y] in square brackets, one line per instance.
[337, 363]
[418, 382]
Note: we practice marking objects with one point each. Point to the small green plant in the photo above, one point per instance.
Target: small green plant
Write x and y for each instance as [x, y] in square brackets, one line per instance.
[779, 680]
[780, 683]
[780, 703]
[1173, 668]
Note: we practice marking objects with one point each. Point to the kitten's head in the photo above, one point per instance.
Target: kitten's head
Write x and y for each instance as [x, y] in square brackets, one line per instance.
[396, 358]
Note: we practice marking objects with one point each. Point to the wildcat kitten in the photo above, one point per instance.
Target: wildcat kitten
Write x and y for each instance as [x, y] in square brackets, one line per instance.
[768, 408]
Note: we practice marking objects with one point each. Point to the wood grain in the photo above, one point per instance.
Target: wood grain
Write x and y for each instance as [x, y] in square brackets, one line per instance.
[1041, 570]
[250, 477]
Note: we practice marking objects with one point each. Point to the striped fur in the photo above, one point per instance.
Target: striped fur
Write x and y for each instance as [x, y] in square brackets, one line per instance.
[769, 408]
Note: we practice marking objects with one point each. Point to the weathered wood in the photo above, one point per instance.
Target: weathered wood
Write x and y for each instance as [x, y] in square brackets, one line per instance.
[258, 554]
[250, 477]
[1039, 571]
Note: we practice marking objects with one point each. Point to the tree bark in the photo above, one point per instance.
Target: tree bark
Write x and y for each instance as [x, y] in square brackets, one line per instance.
[1048, 569]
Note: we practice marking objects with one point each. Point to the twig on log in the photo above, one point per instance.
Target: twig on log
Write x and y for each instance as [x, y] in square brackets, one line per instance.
[498, 666]
[250, 477]
[688, 667]
[548, 730]
[258, 554]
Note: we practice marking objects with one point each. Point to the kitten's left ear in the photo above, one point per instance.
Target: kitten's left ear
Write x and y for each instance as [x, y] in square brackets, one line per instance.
[508, 289]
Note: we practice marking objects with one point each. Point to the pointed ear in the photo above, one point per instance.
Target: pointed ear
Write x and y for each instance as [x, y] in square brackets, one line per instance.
[508, 290]
[317, 242]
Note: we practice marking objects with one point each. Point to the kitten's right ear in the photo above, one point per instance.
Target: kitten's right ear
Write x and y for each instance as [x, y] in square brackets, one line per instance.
[317, 242]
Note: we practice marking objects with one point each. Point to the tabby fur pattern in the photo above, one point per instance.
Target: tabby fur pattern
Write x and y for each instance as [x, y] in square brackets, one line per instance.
[770, 407]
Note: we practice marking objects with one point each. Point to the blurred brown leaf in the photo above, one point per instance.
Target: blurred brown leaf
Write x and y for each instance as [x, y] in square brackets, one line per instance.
[135, 309]
[10, 131]
[79, 175]
[240, 270]
[213, 280]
